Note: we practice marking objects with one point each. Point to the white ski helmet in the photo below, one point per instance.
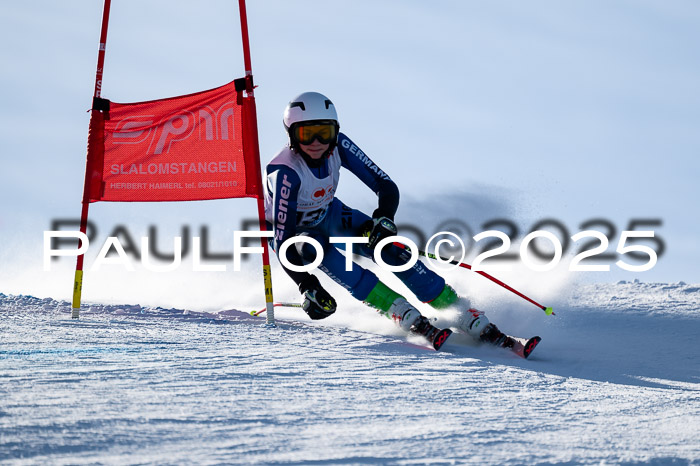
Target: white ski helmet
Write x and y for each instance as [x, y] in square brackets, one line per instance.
[309, 106]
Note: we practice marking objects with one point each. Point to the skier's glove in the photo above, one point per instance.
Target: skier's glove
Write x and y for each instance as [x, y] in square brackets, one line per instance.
[382, 227]
[318, 304]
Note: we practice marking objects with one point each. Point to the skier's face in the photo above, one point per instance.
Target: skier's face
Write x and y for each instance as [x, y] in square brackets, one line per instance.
[315, 150]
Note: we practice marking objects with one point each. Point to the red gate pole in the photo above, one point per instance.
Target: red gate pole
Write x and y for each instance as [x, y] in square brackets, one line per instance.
[78, 282]
[253, 128]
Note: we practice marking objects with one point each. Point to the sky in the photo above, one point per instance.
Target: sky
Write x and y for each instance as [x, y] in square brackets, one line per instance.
[583, 113]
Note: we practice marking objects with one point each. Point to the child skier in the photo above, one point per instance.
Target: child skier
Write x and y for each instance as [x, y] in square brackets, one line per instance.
[300, 200]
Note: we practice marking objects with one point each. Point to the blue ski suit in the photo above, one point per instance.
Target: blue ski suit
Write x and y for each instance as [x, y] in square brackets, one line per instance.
[300, 200]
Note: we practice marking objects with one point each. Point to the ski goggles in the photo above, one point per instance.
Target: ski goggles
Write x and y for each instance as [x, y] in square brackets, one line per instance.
[326, 133]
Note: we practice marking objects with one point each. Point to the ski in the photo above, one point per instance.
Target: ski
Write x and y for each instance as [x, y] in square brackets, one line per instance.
[440, 338]
[521, 346]
[437, 337]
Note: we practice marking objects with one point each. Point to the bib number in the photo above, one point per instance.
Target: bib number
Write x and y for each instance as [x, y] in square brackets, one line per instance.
[311, 217]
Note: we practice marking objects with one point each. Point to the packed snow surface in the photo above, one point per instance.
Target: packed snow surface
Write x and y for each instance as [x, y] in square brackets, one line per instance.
[616, 379]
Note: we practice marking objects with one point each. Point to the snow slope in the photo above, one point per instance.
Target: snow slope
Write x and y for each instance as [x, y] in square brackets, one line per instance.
[615, 380]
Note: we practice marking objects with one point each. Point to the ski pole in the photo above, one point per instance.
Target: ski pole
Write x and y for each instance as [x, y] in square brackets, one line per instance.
[547, 310]
[257, 313]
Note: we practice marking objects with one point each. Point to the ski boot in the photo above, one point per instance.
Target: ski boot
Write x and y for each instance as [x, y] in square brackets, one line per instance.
[469, 320]
[472, 322]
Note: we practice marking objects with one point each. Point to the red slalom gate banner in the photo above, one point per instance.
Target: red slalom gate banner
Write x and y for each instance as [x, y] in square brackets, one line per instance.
[186, 148]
